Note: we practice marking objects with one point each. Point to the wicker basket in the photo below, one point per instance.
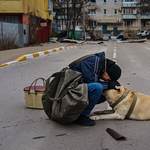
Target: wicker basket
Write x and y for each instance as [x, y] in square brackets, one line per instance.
[33, 94]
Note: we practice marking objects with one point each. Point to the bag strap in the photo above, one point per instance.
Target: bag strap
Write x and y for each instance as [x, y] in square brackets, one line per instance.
[74, 63]
[47, 86]
[102, 65]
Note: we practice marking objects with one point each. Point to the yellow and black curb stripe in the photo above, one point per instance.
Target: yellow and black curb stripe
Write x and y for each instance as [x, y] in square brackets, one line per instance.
[41, 53]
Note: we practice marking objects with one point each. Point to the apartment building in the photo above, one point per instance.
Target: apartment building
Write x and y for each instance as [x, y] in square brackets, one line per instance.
[131, 18]
[114, 16]
[145, 20]
[106, 15]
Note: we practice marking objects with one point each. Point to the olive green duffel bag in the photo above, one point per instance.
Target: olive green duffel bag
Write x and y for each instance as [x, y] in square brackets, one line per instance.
[65, 97]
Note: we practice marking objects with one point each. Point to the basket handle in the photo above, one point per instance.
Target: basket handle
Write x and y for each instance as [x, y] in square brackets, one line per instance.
[34, 82]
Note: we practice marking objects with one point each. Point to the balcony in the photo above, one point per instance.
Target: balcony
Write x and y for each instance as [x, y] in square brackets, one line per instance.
[145, 16]
[129, 16]
[129, 4]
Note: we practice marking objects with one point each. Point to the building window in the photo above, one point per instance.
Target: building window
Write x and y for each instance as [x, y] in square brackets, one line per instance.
[105, 1]
[128, 23]
[65, 11]
[115, 12]
[94, 1]
[143, 24]
[92, 24]
[105, 11]
[130, 0]
[9, 19]
[146, 11]
[64, 22]
[129, 11]
[2, 19]
[92, 11]
[59, 17]
[115, 1]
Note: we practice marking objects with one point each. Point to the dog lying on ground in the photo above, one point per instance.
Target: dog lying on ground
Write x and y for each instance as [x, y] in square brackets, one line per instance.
[125, 104]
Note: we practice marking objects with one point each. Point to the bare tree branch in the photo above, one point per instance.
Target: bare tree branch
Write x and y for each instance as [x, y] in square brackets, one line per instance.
[70, 12]
[34, 25]
[144, 7]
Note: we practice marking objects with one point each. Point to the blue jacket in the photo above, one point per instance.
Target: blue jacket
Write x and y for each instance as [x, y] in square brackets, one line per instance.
[91, 68]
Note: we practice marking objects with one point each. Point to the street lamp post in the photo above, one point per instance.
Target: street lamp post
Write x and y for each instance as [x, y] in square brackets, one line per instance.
[83, 20]
[67, 20]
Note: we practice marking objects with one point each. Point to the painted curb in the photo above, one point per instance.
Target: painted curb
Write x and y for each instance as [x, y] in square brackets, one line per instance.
[29, 56]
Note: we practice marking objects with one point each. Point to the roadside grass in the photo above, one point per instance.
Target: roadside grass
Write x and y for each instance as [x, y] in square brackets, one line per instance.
[9, 41]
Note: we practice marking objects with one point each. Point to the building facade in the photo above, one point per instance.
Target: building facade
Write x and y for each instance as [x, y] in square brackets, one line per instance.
[17, 11]
[115, 16]
[106, 16]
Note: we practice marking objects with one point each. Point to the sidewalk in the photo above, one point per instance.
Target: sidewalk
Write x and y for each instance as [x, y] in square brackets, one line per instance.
[14, 55]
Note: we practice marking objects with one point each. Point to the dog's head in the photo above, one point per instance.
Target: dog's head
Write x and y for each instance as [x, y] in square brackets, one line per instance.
[113, 95]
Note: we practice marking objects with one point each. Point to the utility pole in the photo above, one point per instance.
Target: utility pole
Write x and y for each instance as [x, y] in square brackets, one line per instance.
[67, 20]
[83, 20]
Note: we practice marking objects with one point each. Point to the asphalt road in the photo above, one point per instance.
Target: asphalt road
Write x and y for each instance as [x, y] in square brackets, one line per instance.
[30, 129]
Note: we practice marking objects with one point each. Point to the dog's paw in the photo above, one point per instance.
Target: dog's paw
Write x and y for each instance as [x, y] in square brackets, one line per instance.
[95, 117]
[98, 112]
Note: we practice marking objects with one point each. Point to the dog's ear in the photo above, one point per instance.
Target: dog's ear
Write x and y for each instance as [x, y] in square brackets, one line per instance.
[119, 88]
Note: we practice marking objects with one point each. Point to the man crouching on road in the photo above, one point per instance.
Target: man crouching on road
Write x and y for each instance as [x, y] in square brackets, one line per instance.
[93, 70]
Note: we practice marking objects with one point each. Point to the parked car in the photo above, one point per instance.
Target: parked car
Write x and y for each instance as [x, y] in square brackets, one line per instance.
[148, 35]
[143, 33]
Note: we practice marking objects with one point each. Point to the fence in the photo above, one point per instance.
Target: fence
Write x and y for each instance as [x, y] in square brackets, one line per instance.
[19, 32]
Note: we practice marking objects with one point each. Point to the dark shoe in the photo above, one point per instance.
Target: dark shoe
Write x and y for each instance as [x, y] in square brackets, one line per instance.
[85, 121]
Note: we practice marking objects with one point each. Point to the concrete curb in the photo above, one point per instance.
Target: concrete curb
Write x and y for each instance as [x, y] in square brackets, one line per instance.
[41, 53]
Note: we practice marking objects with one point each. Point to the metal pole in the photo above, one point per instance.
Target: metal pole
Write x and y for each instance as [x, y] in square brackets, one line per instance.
[83, 20]
[67, 21]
